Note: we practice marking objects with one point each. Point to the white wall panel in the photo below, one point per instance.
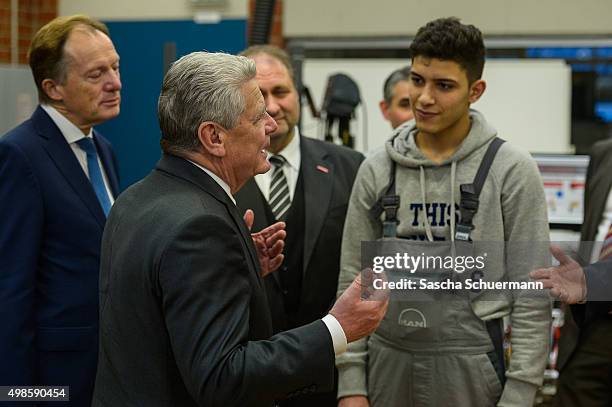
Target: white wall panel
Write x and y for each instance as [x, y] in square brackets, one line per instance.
[527, 101]
[331, 18]
[148, 9]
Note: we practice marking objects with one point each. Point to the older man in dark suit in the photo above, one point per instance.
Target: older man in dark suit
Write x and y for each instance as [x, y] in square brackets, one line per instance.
[585, 356]
[58, 179]
[184, 315]
[585, 360]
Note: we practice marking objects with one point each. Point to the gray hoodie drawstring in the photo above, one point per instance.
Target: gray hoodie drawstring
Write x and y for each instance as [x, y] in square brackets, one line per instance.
[423, 202]
[452, 211]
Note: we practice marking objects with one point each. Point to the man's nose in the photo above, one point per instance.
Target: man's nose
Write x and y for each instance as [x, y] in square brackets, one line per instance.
[272, 106]
[426, 97]
[271, 125]
[113, 82]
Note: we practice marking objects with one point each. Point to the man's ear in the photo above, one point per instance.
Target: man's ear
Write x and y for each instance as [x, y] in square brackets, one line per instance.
[384, 109]
[52, 89]
[477, 89]
[212, 138]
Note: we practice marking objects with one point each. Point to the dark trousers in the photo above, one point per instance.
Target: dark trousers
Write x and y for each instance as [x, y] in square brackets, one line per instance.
[586, 380]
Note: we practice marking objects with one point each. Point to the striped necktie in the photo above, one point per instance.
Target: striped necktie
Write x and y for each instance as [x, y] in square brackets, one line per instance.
[606, 248]
[95, 173]
[279, 200]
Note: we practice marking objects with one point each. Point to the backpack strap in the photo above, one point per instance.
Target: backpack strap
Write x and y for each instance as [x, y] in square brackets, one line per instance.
[468, 206]
[389, 204]
[495, 329]
[470, 193]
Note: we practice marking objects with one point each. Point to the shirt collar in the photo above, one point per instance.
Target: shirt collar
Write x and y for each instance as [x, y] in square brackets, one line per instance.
[71, 133]
[218, 180]
[291, 152]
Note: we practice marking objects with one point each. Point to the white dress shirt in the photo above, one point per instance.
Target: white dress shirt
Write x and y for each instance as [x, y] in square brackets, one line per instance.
[333, 326]
[292, 154]
[72, 134]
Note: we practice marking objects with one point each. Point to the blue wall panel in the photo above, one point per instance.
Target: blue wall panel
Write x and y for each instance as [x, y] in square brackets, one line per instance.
[135, 133]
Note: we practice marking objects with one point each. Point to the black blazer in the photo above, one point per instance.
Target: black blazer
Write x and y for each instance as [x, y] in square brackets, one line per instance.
[597, 189]
[183, 313]
[599, 181]
[50, 234]
[328, 172]
[599, 282]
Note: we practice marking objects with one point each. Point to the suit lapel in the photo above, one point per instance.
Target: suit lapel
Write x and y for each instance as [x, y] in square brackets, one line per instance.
[189, 172]
[318, 176]
[246, 235]
[62, 155]
[250, 197]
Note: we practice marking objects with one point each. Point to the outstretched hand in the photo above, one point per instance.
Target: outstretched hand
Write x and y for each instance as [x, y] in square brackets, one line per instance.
[269, 243]
[361, 307]
[566, 281]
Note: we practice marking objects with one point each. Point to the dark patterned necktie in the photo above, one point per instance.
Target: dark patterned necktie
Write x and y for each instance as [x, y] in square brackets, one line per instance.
[279, 198]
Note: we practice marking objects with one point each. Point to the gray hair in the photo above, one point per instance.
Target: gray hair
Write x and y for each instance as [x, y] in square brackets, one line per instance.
[199, 87]
[402, 74]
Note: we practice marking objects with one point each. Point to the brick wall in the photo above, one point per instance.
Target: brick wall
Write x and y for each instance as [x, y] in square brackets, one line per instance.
[32, 15]
[5, 31]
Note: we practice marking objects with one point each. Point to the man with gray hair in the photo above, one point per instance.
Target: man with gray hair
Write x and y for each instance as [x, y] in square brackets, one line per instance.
[179, 267]
[395, 105]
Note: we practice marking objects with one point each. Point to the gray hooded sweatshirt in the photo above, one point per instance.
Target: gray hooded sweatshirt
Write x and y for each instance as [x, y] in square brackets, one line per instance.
[512, 209]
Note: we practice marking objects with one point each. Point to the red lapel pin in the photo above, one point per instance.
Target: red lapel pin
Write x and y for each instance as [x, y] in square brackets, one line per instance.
[324, 170]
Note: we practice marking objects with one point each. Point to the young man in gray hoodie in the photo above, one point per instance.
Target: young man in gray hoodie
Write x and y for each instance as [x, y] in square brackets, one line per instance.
[451, 364]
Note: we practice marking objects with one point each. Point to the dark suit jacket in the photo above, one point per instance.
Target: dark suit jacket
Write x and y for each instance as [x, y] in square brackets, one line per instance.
[599, 181]
[183, 313]
[326, 197]
[599, 282]
[50, 237]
